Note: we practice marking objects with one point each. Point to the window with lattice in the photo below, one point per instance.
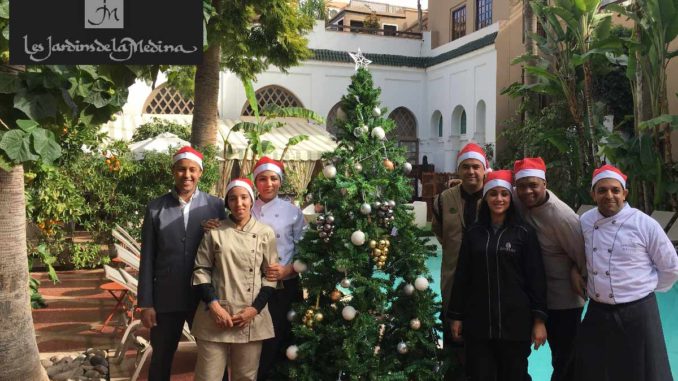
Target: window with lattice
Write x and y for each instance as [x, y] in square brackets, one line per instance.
[406, 124]
[331, 118]
[405, 132]
[167, 100]
[272, 95]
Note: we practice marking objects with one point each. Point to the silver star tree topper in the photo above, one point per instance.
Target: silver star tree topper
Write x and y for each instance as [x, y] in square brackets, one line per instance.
[359, 59]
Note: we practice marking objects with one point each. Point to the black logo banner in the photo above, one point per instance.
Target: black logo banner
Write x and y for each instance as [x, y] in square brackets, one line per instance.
[105, 32]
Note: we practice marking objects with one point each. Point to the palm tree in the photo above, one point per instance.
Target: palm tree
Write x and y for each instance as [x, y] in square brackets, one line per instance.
[18, 349]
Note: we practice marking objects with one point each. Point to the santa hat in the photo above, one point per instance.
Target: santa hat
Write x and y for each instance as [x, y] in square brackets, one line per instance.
[529, 167]
[241, 182]
[473, 151]
[608, 172]
[268, 164]
[499, 178]
[188, 153]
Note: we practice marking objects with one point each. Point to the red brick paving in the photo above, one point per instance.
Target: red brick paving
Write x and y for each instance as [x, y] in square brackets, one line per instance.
[74, 316]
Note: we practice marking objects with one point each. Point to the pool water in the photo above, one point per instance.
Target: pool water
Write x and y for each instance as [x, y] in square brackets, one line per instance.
[540, 360]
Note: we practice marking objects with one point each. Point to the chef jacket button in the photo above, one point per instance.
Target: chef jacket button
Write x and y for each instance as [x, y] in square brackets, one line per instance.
[277, 236]
[609, 250]
[607, 273]
[251, 270]
[595, 227]
[262, 214]
[595, 273]
[254, 236]
[248, 289]
[595, 249]
[597, 295]
[611, 296]
[276, 216]
[280, 258]
[183, 239]
[614, 221]
[252, 251]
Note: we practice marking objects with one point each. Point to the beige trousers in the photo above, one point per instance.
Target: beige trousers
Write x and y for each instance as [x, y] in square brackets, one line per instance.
[213, 357]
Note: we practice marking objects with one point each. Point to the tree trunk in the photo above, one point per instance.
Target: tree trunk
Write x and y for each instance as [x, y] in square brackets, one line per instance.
[204, 128]
[18, 349]
[588, 107]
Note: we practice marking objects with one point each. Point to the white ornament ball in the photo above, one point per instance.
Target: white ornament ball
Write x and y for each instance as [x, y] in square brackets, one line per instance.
[421, 283]
[376, 111]
[292, 352]
[365, 208]
[345, 283]
[329, 171]
[358, 238]
[348, 313]
[299, 266]
[291, 315]
[408, 289]
[341, 115]
[378, 133]
[402, 348]
[407, 168]
[358, 167]
[415, 324]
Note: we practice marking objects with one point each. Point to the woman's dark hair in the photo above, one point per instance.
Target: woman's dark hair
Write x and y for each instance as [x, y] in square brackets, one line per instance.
[512, 215]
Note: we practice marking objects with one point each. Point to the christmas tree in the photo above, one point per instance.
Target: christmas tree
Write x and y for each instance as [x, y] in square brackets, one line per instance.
[369, 313]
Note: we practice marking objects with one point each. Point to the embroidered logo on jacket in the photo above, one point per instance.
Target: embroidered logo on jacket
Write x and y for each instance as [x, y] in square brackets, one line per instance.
[507, 248]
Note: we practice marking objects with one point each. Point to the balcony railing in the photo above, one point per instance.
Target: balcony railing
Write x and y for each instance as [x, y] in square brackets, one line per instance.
[375, 31]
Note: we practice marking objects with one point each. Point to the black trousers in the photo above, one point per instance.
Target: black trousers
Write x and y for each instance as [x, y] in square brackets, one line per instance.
[622, 342]
[164, 339]
[561, 328]
[496, 360]
[273, 350]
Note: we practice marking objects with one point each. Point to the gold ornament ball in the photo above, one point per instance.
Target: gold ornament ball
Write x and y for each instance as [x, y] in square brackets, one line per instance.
[335, 295]
[388, 243]
[385, 250]
[376, 252]
[373, 244]
[319, 317]
[382, 243]
[388, 164]
[382, 258]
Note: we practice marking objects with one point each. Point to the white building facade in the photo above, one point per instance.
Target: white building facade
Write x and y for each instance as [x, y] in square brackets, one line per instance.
[443, 97]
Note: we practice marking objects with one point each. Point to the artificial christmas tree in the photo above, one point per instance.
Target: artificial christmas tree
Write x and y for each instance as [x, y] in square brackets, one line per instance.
[370, 313]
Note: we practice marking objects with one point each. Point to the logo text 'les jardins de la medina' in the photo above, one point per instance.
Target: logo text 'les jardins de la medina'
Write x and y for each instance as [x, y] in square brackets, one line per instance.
[106, 31]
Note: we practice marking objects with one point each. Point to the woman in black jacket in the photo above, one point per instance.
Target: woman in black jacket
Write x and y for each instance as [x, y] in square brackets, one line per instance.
[498, 299]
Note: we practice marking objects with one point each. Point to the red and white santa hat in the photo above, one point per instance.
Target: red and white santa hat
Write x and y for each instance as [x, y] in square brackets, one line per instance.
[241, 182]
[608, 172]
[529, 167]
[268, 164]
[188, 153]
[473, 151]
[500, 178]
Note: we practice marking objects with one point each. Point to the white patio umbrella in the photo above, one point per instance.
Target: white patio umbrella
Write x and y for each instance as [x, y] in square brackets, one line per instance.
[160, 143]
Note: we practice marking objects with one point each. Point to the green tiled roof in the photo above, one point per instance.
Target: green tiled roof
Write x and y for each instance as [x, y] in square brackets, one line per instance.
[407, 61]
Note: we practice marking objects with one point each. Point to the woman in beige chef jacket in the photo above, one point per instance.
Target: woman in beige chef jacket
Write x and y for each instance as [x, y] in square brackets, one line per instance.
[229, 274]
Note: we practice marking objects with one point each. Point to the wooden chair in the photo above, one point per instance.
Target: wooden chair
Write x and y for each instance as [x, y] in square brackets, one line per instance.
[126, 240]
[127, 257]
[663, 217]
[584, 208]
[123, 291]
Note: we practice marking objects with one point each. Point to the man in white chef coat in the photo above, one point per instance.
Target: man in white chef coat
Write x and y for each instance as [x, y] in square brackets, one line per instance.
[628, 257]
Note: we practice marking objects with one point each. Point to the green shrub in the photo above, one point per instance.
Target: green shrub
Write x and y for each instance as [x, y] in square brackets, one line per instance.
[158, 126]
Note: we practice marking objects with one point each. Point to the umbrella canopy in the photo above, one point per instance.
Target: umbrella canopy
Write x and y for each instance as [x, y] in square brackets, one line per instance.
[161, 143]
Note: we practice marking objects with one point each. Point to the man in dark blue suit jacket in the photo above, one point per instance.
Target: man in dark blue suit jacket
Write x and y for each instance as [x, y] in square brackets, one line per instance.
[171, 234]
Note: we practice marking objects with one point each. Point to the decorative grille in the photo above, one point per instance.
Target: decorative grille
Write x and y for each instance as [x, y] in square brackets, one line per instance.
[166, 100]
[458, 22]
[272, 95]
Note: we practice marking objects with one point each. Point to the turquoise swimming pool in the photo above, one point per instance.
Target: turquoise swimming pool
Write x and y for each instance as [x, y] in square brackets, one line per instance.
[540, 361]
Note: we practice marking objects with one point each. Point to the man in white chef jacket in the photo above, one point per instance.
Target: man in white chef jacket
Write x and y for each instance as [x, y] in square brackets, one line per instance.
[628, 257]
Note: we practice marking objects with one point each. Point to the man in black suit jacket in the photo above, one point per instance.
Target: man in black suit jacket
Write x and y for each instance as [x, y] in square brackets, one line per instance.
[171, 234]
